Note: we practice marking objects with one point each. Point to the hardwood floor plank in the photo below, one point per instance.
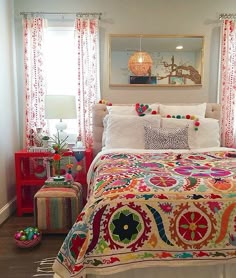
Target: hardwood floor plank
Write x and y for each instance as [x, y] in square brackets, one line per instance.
[16, 262]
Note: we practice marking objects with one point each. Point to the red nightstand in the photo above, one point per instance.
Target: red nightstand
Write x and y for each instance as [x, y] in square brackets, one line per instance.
[31, 174]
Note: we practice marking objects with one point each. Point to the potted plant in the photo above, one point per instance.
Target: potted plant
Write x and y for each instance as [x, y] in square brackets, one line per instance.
[59, 149]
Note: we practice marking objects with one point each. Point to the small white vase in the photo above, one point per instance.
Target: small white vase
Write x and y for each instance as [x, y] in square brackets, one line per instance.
[45, 143]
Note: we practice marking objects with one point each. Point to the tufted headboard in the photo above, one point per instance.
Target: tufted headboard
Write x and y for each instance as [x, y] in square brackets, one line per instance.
[100, 110]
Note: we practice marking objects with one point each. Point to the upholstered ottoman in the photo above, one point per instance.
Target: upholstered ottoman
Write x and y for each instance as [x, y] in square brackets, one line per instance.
[56, 208]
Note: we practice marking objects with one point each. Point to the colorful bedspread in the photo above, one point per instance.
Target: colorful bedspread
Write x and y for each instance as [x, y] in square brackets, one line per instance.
[154, 209]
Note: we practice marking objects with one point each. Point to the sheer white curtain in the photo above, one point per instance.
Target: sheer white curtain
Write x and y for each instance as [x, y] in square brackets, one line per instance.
[61, 71]
[87, 45]
[34, 75]
[228, 83]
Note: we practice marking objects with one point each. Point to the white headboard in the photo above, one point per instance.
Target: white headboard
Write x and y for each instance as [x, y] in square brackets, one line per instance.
[100, 110]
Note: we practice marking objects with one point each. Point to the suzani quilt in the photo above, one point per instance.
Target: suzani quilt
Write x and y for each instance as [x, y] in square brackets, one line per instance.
[154, 209]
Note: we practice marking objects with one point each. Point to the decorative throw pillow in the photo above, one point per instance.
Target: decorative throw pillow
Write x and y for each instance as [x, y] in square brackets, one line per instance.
[166, 138]
[126, 131]
[142, 109]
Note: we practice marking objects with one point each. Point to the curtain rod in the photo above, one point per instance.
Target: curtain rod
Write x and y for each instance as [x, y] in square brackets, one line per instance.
[227, 16]
[62, 13]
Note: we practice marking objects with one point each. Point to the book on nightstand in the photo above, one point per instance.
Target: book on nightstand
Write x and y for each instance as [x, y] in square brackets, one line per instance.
[50, 182]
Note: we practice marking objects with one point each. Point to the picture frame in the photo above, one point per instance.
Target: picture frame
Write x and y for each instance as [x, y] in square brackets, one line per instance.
[142, 80]
[166, 60]
[176, 80]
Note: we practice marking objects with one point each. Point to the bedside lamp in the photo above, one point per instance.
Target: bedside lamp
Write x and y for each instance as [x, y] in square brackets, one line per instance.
[60, 107]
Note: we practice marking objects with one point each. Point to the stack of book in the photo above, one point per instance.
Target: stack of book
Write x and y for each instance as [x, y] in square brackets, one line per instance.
[39, 149]
[50, 182]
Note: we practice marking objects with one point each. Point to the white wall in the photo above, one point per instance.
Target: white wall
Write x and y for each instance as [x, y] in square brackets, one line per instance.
[152, 17]
[9, 141]
[119, 16]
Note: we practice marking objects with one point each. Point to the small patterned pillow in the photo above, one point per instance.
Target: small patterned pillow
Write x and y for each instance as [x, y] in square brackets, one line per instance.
[166, 138]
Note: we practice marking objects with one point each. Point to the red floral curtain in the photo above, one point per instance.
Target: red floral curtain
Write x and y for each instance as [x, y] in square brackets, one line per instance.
[87, 49]
[228, 83]
[34, 75]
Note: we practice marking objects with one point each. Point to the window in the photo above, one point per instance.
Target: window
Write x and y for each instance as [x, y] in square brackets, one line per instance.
[61, 71]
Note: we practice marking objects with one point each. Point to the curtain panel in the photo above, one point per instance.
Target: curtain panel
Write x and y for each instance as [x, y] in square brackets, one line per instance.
[228, 83]
[34, 75]
[87, 51]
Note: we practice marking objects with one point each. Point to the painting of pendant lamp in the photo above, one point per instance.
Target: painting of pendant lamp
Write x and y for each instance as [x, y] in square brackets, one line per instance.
[140, 62]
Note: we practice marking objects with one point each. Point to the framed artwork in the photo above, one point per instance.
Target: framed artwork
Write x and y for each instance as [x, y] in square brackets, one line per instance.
[170, 67]
[176, 80]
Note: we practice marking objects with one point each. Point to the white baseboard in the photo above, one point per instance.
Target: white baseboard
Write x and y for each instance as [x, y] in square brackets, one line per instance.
[7, 210]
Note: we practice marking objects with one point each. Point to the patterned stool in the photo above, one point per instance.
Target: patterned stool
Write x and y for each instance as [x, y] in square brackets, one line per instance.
[56, 208]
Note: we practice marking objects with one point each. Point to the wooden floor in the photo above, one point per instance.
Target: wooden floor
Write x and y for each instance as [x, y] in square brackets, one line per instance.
[22, 263]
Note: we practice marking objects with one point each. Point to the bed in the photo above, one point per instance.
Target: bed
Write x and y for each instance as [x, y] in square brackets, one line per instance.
[155, 212]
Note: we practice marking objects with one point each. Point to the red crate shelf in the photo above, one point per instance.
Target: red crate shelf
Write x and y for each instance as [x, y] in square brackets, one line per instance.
[31, 173]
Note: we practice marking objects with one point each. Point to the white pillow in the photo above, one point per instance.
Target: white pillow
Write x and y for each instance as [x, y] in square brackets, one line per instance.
[183, 110]
[127, 131]
[130, 109]
[207, 135]
[122, 110]
[155, 107]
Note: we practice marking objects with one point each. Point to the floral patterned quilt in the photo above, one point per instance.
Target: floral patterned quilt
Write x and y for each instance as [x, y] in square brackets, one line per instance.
[151, 209]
